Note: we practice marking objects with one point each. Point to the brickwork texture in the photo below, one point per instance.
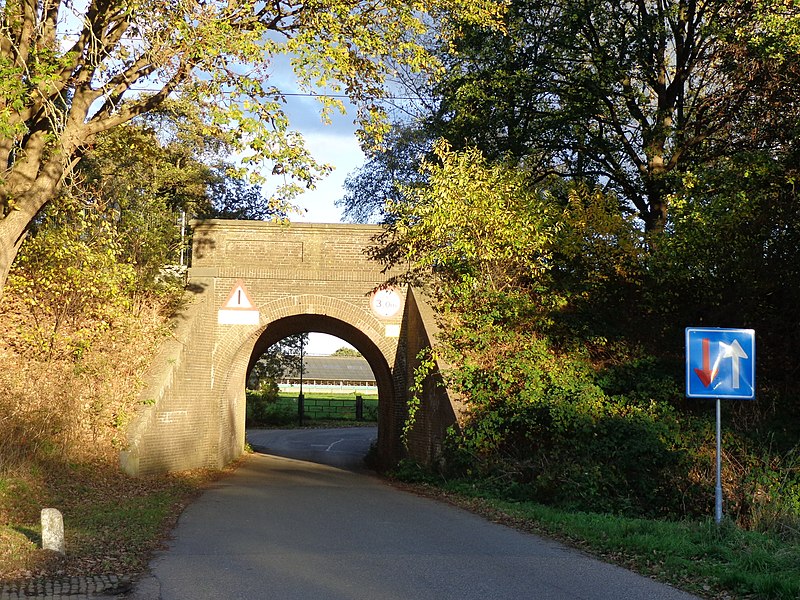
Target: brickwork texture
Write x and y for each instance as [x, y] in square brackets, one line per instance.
[299, 278]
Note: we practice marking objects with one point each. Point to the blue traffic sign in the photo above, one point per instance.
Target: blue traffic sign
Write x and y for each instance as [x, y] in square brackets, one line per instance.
[720, 363]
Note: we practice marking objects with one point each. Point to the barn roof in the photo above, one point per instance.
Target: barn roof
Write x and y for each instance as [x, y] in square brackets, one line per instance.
[349, 368]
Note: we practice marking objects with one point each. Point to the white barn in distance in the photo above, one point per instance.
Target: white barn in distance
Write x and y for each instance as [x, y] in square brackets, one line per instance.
[334, 374]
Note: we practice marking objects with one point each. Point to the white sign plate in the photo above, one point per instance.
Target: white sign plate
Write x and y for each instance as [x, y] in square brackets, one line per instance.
[386, 303]
[239, 308]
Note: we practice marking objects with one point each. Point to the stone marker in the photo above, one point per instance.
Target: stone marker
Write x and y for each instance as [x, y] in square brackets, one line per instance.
[52, 530]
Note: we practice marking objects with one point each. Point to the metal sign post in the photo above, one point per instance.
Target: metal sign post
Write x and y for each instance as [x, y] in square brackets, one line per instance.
[720, 363]
[718, 488]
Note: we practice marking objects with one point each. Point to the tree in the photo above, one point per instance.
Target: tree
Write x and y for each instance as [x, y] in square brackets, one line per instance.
[391, 166]
[649, 88]
[69, 283]
[69, 73]
[472, 226]
[235, 198]
[624, 94]
[577, 341]
[281, 359]
[139, 184]
[141, 176]
[346, 351]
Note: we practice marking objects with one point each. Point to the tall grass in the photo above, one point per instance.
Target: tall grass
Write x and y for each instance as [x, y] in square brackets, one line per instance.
[695, 555]
[63, 419]
[59, 409]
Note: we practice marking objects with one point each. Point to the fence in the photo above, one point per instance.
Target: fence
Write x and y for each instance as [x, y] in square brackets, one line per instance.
[287, 409]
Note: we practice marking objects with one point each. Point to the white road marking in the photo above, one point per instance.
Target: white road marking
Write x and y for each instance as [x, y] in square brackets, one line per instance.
[328, 449]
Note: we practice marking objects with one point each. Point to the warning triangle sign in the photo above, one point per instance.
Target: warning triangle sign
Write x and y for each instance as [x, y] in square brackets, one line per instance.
[239, 299]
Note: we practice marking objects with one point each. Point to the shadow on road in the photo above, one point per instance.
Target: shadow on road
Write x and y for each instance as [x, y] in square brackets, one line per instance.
[344, 448]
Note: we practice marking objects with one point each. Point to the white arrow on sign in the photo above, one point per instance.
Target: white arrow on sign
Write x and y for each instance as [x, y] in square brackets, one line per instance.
[734, 351]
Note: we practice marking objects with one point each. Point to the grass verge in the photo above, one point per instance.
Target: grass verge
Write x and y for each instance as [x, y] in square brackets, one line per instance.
[724, 563]
[112, 523]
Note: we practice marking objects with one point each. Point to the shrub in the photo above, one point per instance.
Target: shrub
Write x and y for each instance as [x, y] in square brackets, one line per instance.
[264, 408]
[566, 324]
[71, 408]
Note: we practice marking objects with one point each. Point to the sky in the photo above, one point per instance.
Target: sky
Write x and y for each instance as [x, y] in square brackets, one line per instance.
[335, 144]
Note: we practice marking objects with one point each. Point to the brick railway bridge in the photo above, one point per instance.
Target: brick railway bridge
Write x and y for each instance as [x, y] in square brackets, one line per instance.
[254, 283]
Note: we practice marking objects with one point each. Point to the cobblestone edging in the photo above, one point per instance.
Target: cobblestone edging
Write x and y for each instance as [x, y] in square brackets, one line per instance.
[73, 588]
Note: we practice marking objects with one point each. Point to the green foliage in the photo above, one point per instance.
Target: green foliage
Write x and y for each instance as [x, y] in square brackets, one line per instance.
[346, 351]
[412, 472]
[217, 57]
[266, 408]
[769, 495]
[731, 258]
[624, 95]
[144, 177]
[263, 409]
[572, 380]
[541, 427]
[329, 407]
[391, 166]
[474, 224]
[79, 324]
[425, 368]
[70, 280]
[234, 198]
[140, 185]
[775, 31]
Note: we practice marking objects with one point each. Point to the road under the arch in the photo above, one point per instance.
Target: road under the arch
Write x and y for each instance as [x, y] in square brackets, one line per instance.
[293, 529]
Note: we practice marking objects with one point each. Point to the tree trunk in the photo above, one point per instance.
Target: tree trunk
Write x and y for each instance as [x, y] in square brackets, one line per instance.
[12, 234]
[658, 189]
[656, 219]
[28, 203]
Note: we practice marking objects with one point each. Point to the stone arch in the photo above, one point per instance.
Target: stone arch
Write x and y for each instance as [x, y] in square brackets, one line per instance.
[237, 350]
[297, 277]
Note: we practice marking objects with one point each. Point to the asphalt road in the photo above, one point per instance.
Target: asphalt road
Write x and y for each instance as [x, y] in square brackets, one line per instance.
[289, 529]
[344, 448]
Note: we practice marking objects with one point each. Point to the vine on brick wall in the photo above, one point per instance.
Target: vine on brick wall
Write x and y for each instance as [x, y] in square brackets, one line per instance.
[427, 365]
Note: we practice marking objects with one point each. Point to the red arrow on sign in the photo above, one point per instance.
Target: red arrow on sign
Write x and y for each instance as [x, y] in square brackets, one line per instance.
[705, 374]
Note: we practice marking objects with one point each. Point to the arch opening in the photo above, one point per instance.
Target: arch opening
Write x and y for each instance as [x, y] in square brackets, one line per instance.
[311, 377]
[287, 326]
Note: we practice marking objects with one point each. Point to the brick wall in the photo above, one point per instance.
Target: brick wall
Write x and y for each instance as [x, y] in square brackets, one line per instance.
[439, 408]
[300, 277]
